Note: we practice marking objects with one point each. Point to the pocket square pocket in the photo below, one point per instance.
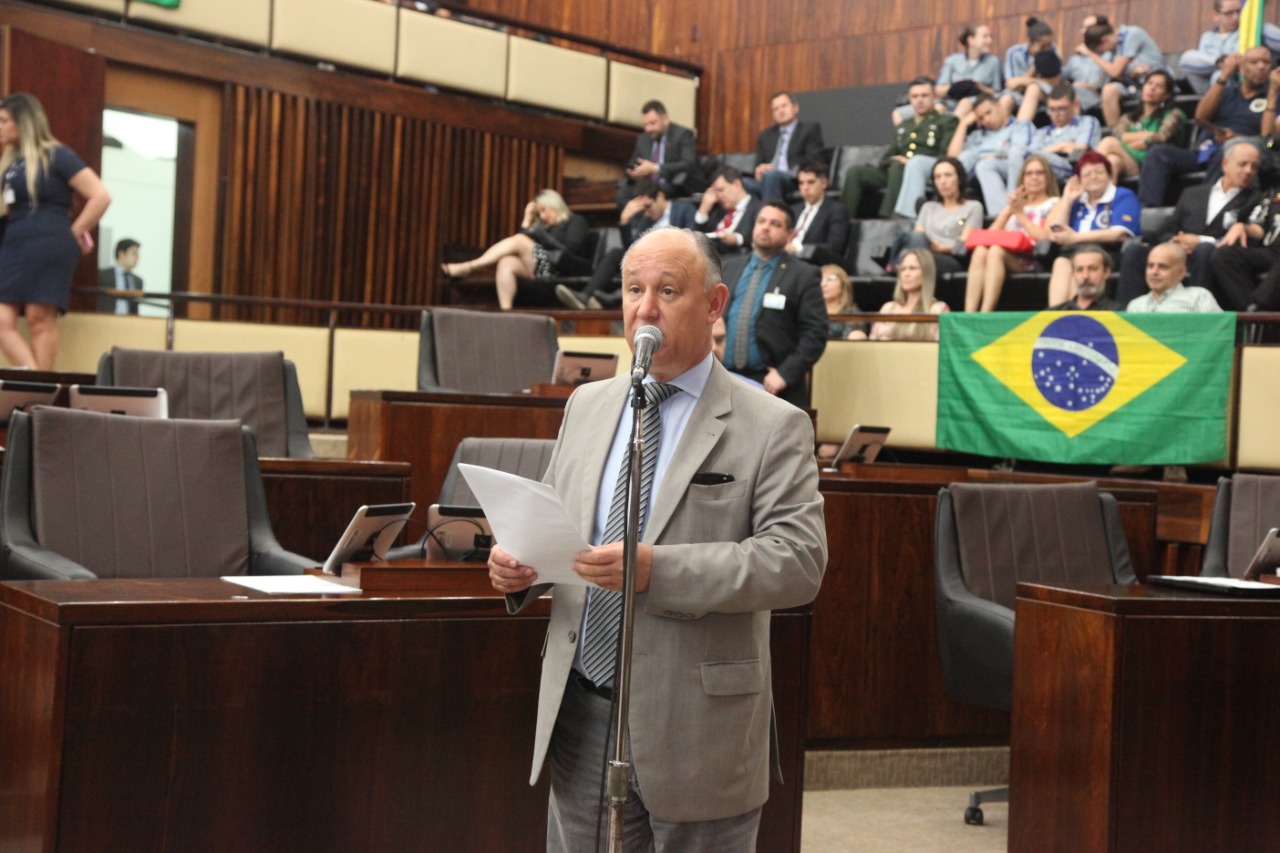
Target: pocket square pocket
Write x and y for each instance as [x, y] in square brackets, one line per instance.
[711, 478]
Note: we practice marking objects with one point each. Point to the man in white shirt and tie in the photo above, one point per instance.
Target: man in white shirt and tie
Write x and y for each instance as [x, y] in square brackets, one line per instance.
[822, 225]
[727, 213]
[120, 276]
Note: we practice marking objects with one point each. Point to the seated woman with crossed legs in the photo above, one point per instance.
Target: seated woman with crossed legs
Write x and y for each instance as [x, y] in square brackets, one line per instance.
[552, 240]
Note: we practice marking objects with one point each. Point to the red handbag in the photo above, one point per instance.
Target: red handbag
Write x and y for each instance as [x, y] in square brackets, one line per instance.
[1017, 242]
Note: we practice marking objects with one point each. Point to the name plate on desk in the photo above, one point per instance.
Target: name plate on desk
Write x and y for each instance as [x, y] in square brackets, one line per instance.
[420, 577]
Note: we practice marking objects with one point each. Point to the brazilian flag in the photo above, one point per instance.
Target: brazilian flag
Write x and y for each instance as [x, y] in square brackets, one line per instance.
[1252, 19]
[1086, 387]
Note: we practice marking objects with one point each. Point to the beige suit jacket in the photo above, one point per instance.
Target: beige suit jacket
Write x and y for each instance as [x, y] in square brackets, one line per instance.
[724, 556]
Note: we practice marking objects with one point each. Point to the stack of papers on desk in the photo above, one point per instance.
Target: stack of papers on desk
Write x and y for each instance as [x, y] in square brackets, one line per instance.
[292, 584]
[1223, 586]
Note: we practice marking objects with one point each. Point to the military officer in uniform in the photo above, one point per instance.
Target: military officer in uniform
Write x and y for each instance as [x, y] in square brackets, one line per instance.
[927, 132]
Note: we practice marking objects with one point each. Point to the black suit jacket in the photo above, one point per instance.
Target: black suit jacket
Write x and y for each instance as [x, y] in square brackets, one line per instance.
[791, 338]
[744, 227]
[805, 144]
[1191, 216]
[107, 281]
[679, 170]
[829, 229]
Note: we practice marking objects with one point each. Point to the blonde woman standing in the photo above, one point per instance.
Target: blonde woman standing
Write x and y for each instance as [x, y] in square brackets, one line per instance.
[42, 244]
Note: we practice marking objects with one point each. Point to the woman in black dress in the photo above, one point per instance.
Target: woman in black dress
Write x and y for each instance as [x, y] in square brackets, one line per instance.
[551, 241]
[41, 244]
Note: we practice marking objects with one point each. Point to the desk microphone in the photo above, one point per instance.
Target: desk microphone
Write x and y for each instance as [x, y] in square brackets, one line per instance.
[647, 341]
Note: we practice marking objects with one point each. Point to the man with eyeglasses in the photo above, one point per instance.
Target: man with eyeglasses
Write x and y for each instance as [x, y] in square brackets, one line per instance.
[1066, 137]
[1203, 65]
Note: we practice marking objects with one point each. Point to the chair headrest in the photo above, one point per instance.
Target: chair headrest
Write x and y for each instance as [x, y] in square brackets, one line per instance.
[1046, 533]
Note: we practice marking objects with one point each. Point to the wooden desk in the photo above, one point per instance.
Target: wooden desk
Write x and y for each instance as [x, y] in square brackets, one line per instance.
[1141, 719]
[877, 679]
[181, 715]
[1184, 510]
[424, 429]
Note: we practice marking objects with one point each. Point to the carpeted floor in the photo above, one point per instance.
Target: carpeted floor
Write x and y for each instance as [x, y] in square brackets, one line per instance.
[902, 801]
[899, 820]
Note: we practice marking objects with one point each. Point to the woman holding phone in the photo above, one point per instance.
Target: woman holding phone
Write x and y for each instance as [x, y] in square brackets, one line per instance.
[42, 244]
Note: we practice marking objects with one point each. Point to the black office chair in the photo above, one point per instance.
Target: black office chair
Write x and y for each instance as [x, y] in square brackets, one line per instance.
[484, 352]
[259, 388]
[988, 537]
[89, 495]
[1246, 507]
[525, 457]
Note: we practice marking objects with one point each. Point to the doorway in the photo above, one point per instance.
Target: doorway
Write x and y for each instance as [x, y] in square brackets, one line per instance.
[140, 166]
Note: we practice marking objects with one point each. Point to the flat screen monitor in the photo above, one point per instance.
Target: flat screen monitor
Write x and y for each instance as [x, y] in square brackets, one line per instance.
[577, 368]
[457, 533]
[121, 400]
[369, 535]
[862, 445]
[1267, 559]
[17, 394]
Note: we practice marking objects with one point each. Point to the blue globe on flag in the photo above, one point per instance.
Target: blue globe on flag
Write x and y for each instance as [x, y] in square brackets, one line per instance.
[1075, 362]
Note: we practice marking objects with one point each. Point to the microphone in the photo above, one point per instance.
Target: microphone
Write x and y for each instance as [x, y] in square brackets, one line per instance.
[647, 341]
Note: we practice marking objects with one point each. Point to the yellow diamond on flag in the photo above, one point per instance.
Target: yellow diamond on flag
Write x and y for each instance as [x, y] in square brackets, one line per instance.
[1076, 368]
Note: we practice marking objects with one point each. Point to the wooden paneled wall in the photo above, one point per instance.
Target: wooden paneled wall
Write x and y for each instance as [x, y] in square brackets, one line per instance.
[326, 200]
[750, 50]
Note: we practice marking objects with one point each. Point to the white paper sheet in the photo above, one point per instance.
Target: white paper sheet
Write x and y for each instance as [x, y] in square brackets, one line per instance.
[292, 584]
[529, 522]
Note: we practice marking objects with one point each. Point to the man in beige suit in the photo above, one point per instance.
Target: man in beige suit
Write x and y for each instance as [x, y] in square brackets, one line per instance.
[736, 530]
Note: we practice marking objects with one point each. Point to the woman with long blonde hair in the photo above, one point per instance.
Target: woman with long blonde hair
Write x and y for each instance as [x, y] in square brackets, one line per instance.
[913, 294]
[42, 244]
[552, 240]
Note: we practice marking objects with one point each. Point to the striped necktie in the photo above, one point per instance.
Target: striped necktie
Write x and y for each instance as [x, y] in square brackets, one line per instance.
[742, 328]
[604, 607]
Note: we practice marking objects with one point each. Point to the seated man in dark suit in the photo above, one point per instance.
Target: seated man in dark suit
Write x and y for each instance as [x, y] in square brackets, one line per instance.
[649, 209]
[1200, 221]
[781, 148]
[120, 276]
[665, 153]
[777, 320]
[1251, 247]
[727, 212]
[822, 225]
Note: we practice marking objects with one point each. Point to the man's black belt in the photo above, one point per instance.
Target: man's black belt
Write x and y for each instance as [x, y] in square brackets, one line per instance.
[590, 686]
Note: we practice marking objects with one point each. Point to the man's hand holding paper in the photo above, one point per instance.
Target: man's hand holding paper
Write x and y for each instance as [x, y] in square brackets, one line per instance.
[538, 541]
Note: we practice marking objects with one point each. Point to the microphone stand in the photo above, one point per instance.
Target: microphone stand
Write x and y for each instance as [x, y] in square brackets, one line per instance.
[618, 778]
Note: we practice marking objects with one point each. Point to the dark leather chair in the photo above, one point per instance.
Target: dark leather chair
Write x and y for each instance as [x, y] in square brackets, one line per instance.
[526, 457]
[484, 352]
[259, 388]
[88, 495]
[1246, 507]
[988, 537]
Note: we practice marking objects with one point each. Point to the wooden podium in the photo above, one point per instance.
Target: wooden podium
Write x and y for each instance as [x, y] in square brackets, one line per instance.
[1140, 721]
[184, 715]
